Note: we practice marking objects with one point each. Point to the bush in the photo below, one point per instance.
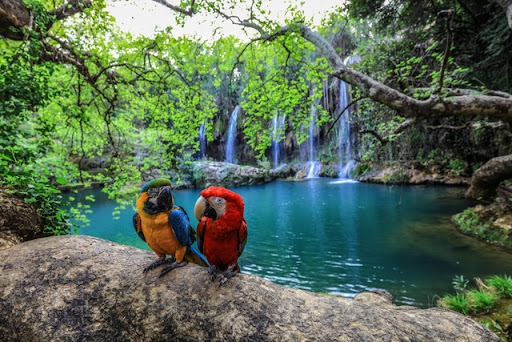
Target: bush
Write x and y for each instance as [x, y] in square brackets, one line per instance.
[483, 301]
[460, 283]
[503, 285]
[458, 302]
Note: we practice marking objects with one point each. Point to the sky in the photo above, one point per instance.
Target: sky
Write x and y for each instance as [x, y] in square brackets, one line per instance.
[144, 16]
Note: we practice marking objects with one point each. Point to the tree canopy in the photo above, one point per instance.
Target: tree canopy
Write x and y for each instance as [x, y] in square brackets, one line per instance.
[73, 85]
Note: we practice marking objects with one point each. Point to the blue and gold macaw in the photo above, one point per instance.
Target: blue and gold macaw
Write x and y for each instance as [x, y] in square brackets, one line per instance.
[165, 227]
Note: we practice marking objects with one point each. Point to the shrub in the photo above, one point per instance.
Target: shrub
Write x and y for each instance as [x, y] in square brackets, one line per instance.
[458, 302]
[483, 301]
[460, 283]
[503, 285]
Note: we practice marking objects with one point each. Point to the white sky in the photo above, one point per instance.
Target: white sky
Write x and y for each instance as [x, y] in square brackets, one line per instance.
[144, 16]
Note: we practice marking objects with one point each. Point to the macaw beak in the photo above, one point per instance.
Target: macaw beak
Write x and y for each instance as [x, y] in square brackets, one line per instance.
[200, 207]
[161, 203]
[203, 208]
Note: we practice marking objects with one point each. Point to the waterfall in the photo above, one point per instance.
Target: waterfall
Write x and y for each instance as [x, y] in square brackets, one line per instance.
[230, 145]
[277, 132]
[314, 166]
[345, 148]
[202, 141]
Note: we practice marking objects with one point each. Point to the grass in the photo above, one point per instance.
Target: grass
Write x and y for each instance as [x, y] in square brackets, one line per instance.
[489, 304]
[482, 300]
[502, 285]
[458, 302]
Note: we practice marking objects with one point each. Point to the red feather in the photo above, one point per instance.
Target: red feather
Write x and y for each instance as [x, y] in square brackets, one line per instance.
[222, 240]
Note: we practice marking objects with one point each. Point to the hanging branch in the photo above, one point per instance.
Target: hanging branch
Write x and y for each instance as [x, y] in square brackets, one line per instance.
[341, 113]
[385, 139]
[449, 37]
[188, 12]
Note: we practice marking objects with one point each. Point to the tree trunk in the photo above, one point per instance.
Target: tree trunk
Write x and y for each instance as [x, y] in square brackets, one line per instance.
[79, 288]
[486, 179]
[14, 14]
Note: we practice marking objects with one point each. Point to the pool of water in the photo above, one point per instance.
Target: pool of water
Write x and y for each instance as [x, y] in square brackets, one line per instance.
[342, 238]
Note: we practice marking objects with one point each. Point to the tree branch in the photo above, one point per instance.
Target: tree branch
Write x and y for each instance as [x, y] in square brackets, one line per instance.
[385, 139]
[68, 9]
[188, 12]
[15, 14]
[449, 37]
[433, 107]
[342, 111]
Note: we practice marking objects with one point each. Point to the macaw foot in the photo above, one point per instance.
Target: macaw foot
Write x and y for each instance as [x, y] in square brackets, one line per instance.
[171, 267]
[156, 263]
[229, 273]
[212, 271]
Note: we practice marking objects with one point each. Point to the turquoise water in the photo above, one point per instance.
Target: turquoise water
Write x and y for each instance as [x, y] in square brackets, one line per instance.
[343, 238]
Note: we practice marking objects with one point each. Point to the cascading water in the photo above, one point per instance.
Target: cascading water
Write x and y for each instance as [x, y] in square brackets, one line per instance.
[345, 148]
[202, 141]
[314, 166]
[277, 131]
[230, 145]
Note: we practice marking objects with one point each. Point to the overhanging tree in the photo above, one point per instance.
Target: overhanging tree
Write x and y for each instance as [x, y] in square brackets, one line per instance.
[437, 102]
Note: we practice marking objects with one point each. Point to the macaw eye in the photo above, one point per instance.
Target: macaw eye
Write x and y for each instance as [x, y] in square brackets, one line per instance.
[219, 200]
[152, 192]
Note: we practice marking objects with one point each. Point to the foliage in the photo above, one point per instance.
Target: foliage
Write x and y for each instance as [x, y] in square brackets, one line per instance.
[458, 302]
[264, 163]
[469, 221]
[472, 301]
[36, 188]
[482, 300]
[460, 283]
[138, 102]
[362, 169]
[502, 284]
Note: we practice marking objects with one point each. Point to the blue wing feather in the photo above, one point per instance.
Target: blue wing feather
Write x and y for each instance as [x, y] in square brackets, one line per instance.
[180, 224]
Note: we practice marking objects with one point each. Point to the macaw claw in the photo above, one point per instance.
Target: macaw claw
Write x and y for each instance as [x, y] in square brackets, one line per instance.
[229, 273]
[171, 267]
[156, 263]
[212, 271]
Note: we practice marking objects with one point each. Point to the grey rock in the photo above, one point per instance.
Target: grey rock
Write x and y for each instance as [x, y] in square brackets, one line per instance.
[207, 173]
[79, 288]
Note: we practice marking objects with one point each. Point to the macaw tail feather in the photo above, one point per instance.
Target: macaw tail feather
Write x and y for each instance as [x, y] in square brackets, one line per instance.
[195, 257]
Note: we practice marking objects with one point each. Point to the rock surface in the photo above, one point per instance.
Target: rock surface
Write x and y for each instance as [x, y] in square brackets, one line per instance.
[409, 174]
[18, 220]
[491, 222]
[208, 173]
[79, 288]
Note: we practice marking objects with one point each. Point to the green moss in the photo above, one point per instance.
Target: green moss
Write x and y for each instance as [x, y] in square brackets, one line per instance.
[396, 177]
[469, 222]
[362, 169]
[199, 177]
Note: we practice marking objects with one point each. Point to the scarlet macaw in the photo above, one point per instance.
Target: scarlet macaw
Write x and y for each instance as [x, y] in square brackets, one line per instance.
[165, 227]
[221, 231]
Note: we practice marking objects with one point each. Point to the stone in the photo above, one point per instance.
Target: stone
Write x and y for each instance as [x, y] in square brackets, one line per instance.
[208, 173]
[80, 288]
[18, 220]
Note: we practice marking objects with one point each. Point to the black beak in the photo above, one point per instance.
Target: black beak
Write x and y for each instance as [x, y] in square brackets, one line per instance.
[160, 203]
[210, 212]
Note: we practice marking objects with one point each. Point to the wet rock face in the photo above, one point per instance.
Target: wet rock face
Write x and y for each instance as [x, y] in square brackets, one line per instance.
[18, 220]
[225, 174]
[79, 288]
